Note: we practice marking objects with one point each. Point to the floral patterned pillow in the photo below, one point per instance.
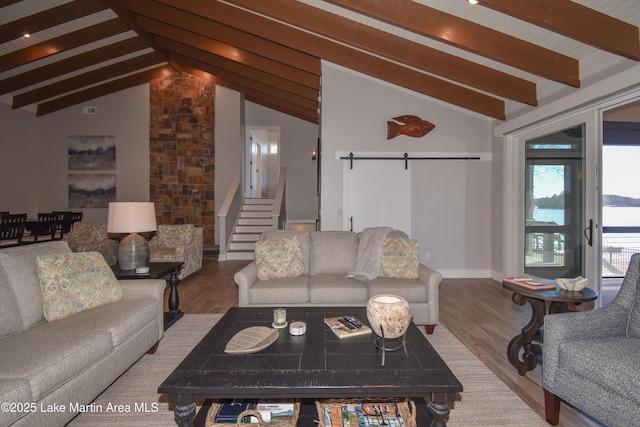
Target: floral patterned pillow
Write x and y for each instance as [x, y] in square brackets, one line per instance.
[74, 282]
[400, 258]
[279, 258]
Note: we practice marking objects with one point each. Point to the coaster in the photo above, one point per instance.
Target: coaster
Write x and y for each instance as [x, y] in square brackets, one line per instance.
[284, 325]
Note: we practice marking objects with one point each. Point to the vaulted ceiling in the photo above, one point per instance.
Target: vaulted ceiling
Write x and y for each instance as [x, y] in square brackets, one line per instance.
[498, 58]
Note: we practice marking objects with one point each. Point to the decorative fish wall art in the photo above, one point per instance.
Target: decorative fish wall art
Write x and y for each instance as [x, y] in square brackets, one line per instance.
[408, 125]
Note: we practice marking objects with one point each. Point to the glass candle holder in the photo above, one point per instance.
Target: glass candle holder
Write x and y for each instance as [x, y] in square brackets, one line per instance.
[279, 317]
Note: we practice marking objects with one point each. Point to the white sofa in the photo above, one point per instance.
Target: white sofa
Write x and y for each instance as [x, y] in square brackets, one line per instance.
[69, 361]
[328, 256]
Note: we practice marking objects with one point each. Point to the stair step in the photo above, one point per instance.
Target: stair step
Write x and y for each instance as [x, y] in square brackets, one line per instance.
[245, 237]
[255, 214]
[257, 208]
[240, 255]
[255, 221]
[258, 201]
[252, 228]
[248, 246]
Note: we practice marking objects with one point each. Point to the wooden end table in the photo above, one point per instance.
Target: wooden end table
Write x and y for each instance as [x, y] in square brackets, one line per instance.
[560, 301]
[159, 270]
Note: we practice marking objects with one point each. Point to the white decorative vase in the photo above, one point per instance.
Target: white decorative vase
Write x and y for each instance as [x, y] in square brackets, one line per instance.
[389, 315]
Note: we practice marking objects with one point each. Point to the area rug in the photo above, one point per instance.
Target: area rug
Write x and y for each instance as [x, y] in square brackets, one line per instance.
[486, 401]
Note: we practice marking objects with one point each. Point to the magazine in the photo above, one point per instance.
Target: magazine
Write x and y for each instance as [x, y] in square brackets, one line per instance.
[531, 283]
[347, 326]
[363, 415]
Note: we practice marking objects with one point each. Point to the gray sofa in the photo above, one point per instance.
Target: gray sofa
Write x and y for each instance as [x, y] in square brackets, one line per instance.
[591, 358]
[328, 256]
[68, 362]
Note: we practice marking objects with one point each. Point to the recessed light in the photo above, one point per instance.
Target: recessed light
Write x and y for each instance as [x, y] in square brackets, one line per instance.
[473, 1]
[26, 35]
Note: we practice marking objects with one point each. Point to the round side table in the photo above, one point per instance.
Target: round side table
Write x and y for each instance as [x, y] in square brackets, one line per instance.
[560, 301]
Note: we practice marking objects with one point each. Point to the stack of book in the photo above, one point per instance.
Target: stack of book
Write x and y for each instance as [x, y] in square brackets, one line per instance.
[363, 415]
[268, 408]
[228, 412]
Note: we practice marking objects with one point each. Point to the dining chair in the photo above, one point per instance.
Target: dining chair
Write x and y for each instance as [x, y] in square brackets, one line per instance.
[12, 229]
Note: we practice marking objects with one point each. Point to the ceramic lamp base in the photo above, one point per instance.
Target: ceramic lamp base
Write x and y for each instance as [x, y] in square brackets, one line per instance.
[133, 252]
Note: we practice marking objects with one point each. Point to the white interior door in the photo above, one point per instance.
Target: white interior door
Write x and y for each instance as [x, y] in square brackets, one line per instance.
[377, 193]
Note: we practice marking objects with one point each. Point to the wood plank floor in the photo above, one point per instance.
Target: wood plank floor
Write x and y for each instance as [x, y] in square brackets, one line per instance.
[479, 312]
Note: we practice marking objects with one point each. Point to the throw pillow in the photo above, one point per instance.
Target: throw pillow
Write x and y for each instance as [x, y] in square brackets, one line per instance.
[279, 258]
[400, 258]
[75, 282]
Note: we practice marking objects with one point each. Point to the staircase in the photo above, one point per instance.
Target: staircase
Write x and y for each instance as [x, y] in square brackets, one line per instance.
[254, 218]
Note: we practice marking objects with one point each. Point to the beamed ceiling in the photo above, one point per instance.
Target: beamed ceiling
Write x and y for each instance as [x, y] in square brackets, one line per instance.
[499, 58]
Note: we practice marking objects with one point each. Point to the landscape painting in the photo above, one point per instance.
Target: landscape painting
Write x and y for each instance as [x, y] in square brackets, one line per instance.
[92, 152]
[91, 190]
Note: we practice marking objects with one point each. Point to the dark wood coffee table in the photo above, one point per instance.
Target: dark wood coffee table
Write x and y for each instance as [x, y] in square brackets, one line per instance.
[159, 270]
[312, 366]
[560, 301]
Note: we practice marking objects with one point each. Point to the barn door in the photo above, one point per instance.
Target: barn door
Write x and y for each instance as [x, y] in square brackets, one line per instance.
[377, 193]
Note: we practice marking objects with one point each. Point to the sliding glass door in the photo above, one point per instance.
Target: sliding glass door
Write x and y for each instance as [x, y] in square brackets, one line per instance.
[561, 233]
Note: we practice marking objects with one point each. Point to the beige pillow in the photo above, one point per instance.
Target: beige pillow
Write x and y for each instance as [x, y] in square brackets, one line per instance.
[279, 258]
[400, 258]
[75, 282]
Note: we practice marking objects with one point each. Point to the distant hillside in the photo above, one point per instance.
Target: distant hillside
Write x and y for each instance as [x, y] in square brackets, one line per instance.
[557, 201]
[613, 200]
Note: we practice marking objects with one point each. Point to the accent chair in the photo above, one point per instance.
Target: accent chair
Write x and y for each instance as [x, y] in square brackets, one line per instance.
[591, 358]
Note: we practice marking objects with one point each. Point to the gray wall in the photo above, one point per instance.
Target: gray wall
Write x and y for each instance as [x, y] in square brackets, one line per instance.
[36, 177]
[451, 200]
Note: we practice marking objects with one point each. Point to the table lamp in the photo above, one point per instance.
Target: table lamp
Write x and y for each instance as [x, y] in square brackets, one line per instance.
[132, 218]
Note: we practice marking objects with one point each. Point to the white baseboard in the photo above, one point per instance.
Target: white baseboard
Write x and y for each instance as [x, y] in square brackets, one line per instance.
[466, 274]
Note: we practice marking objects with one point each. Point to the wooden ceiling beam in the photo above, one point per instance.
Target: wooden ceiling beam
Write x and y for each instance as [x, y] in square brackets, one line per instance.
[396, 48]
[103, 89]
[5, 3]
[471, 37]
[255, 96]
[239, 69]
[87, 79]
[49, 18]
[168, 32]
[344, 55]
[62, 43]
[247, 82]
[576, 21]
[83, 60]
[222, 33]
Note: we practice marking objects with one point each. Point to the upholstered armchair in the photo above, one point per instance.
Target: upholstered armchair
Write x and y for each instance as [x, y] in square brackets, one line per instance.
[178, 243]
[591, 358]
[84, 237]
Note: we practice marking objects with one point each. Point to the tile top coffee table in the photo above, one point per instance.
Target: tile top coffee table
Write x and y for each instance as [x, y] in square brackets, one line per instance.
[312, 366]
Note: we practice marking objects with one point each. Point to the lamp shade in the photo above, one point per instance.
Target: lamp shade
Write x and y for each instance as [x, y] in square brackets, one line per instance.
[131, 217]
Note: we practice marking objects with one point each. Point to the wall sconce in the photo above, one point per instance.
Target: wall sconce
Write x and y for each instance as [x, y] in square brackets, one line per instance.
[314, 155]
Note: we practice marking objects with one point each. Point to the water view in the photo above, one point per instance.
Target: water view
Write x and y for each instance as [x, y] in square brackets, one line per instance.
[616, 247]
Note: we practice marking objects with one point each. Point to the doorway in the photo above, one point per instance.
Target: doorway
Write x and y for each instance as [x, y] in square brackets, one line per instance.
[262, 161]
[554, 204]
[559, 217]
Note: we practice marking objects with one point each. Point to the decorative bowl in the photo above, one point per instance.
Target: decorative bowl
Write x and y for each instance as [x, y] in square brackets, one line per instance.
[389, 313]
[575, 285]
